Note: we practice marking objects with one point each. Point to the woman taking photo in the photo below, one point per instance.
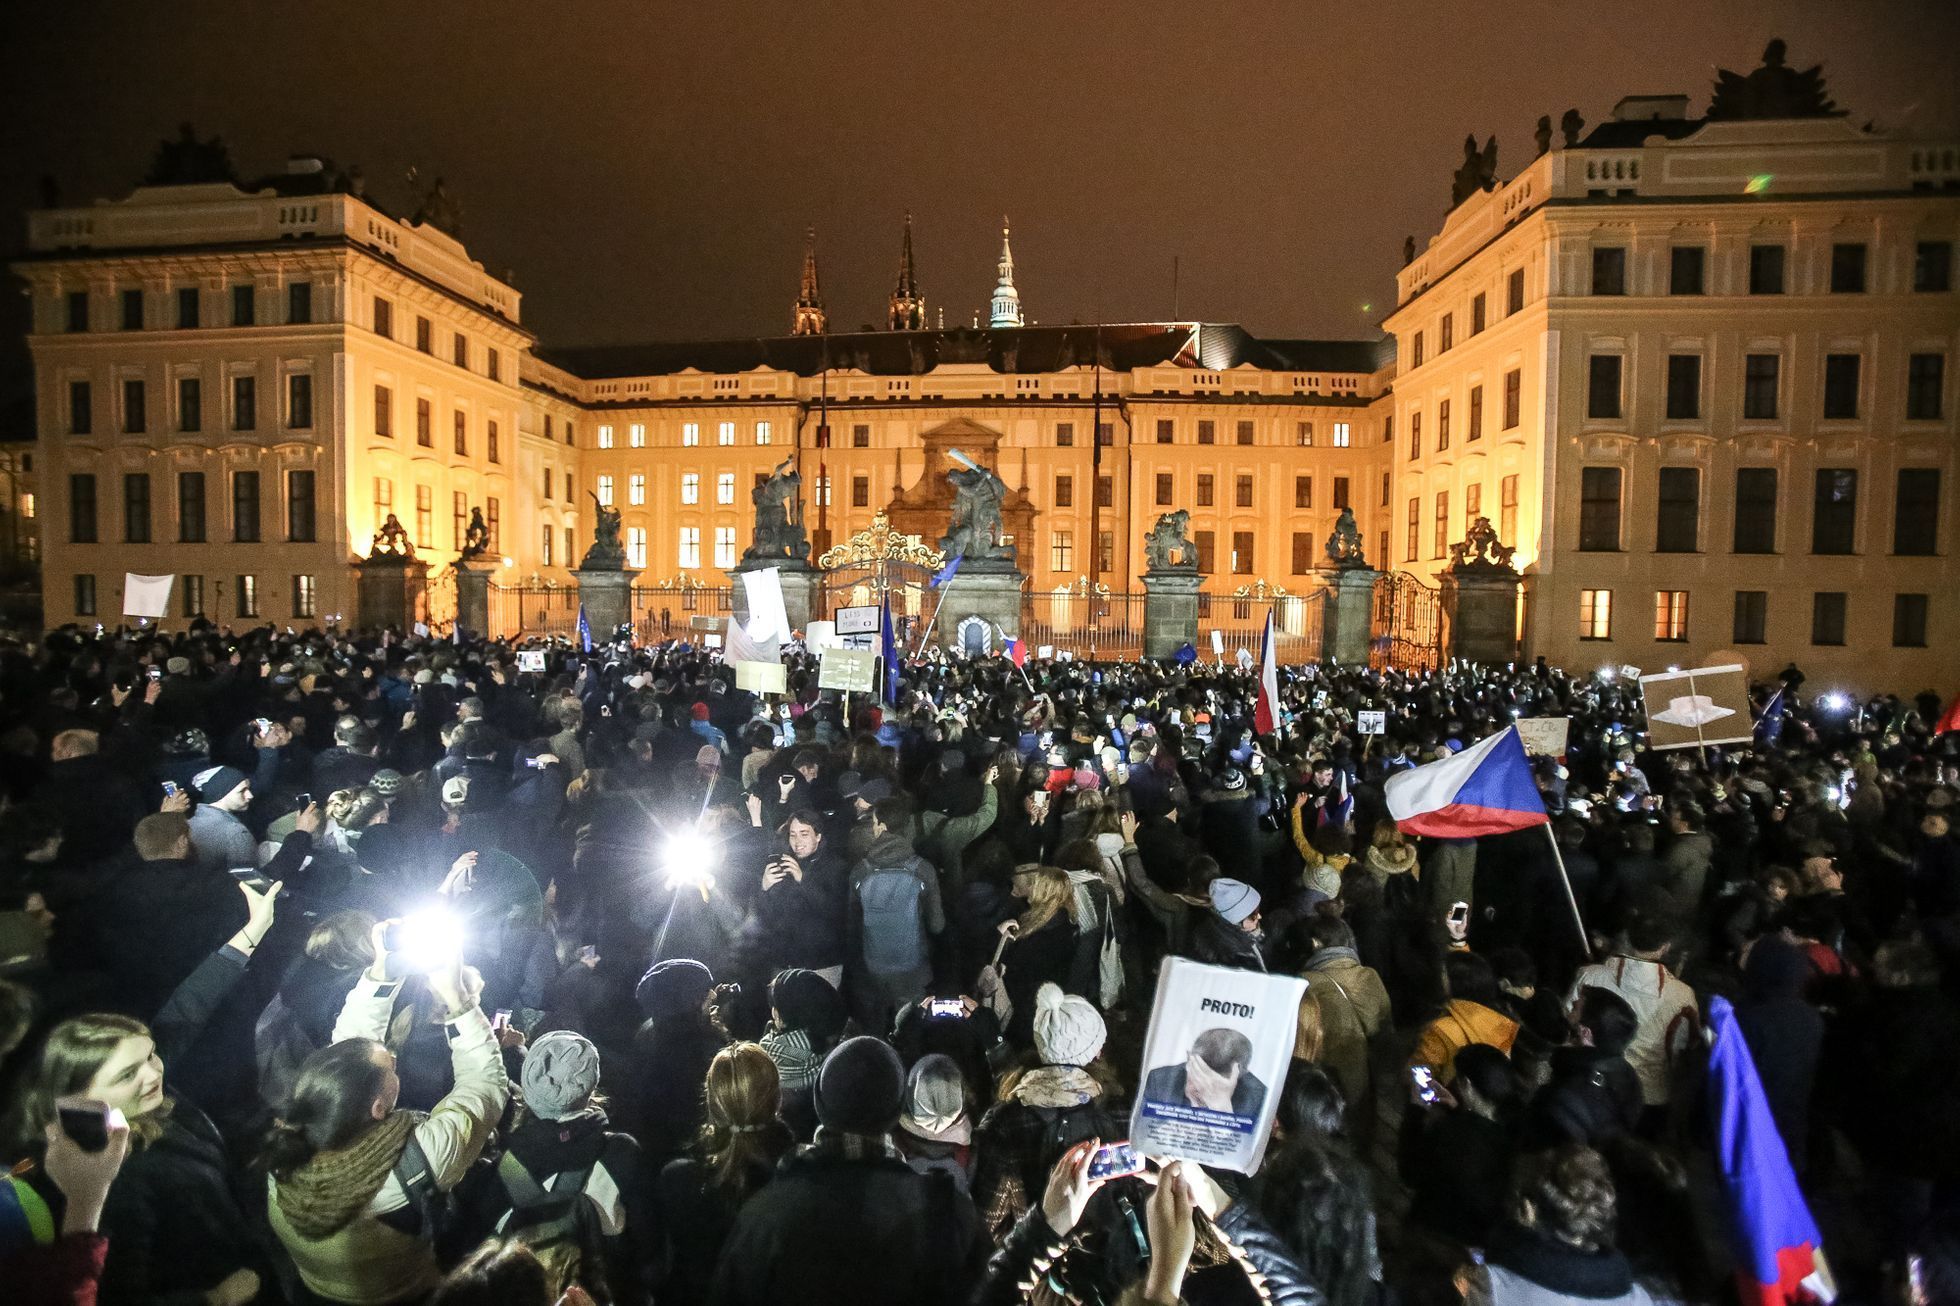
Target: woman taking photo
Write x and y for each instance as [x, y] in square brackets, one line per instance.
[1042, 947]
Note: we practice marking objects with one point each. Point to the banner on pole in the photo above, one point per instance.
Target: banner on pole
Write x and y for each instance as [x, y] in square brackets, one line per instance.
[853, 670]
[762, 677]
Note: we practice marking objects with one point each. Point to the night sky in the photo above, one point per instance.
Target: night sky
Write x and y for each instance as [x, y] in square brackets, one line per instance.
[646, 170]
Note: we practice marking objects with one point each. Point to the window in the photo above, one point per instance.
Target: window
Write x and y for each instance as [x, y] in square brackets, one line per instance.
[1415, 436]
[1440, 544]
[1847, 269]
[425, 428]
[1106, 551]
[244, 403]
[384, 318]
[570, 494]
[1061, 551]
[1834, 516]
[1507, 509]
[636, 546]
[604, 489]
[299, 401]
[725, 433]
[725, 487]
[1932, 267]
[1388, 430]
[724, 546]
[1678, 523]
[459, 519]
[1388, 481]
[1513, 390]
[1595, 614]
[1514, 292]
[81, 408]
[1166, 430]
[425, 332]
[1204, 490]
[1609, 271]
[1599, 510]
[384, 498]
[1908, 621]
[1827, 617]
[84, 595]
[1414, 549]
[690, 435]
[460, 349]
[1760, 374]
[1925, 387]
[1683, 387]
[244, 306]
[1603, 386]
[1765, 269]
[460, 426]
[132, 310]
[1476, 412]
[1755, 510]
[1340, 493]
[1442, 426]
[860, 491]
[1418, 349]
[299, 303]
[1244, 433]
[301, 517]
[1206, 548]
[1242, 491]
[1303, 434]
[81, 508]
[1242, 559]
[690, 487]
[425, 518]
[1841, 386]
[1446, 333]
[1207, 432]
[305, 594]
[1064, 435]
[1751, 617]
[570, 427]
[1671, 616]
[1342, 434]
[861, 436]
[1303, 561]
[135, 418]
[1164, 491]
[636, 489]
[245, 507]
[1105, 492]
[248, 596]
[193, 600]
[1303, 492]
[491, 448]
[545, 551]
[136, 508]
[1478, 312]
[384, 412]
[762, 433]
[493, 521]
[605, 436]
[1064, 491]
[187, 313]
[823, 490]
[190, 507]
[1916, 521]
[1473, 504]
[1687, 270]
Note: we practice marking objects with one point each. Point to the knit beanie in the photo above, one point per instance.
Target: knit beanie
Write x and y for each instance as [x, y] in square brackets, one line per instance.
[699, 712]
[808, 1002]
[386, 782]
[935, 1101]
[1068, 1030]
[1234, 899]
[561, 1070]
[674, 987]
[215, 783]
[861, 1088]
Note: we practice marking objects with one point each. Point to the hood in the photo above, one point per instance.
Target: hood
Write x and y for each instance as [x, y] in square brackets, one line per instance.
[1486, 1025]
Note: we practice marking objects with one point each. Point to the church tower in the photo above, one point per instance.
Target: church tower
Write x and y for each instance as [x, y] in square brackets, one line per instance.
[1006, 309]
[808, 319]
[908, 307]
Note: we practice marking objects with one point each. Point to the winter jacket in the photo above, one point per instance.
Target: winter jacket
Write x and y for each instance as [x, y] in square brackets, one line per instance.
[1669, 1018]
[892, 852]
[1461, 1024]
[1354, 1008]
[1524, 1268]
[1217, 942]
[1593, 1097]
[695, 1218]
[943, 839]
[220, 840]
[669, 1064]
[801, 922]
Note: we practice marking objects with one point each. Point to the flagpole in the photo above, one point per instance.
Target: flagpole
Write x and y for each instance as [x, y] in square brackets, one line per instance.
[1585, 941]
[926, 634]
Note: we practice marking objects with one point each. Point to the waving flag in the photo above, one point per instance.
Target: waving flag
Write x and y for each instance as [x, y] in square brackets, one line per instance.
[1485, 789]
[1769, 726]
[888, 643]
[1779, 1253]
[584, 631]
[1015, 651]
[1338, 809]
[1949, 719]
[948, 571]
[1265, 711]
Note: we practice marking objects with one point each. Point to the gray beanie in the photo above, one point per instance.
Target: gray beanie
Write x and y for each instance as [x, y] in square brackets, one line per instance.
[561, 1071]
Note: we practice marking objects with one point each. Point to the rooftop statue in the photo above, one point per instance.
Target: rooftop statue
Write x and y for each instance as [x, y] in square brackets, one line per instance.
[1772, 91]
[1478, 173]
[188, 161]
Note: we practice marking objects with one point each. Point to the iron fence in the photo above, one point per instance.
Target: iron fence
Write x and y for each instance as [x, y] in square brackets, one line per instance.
[1071, 620]
[665, 611]
[1240, 622]
[521, 611]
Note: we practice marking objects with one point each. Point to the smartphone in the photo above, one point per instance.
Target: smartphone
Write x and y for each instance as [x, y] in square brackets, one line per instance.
[156, 673]
[1425, 1082]
[501, 1021]
[952, 1008]
[85, 1122]
[1114, 1160]
[250, 875]
[302, 801]
[171, 789]
[590, 952]
[263, 725]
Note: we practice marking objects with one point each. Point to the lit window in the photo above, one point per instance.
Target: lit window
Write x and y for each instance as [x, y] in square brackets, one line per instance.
[690, 547]
[1340, 435]
[1671, 615]
[725, 487]
[636, 489]
[823, 490]
[1595, 614]
[636, 435]
[605, 491]
[762, 435]
[724, 546]
[605, 437]
[690, 487]
[636, 546]
[1062, 549]
[305, 595]
[690, 434]
[725, 433]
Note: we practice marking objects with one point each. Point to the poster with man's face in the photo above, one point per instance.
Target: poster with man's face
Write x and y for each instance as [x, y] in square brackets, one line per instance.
[1706, 705]
[1214, 1061]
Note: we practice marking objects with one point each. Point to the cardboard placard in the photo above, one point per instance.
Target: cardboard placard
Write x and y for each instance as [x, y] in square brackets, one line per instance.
[853, 670]
[1371, 721]
[1543, 736]
[530, 660]
[762, 677]
[1704, 705]
[1218, 643]
[858, 621]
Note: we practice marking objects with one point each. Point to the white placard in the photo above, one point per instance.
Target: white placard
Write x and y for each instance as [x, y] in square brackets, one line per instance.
[1371, 721]
[820, 635]
[858, 621]
[853, 670]
[1543, 736]
[531, 660]
[1218, 644]
[146, 596]
[768, 619]
[762, 677]
[1214, 1063]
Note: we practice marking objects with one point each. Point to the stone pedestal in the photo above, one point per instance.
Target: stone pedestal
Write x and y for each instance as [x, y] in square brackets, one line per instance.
[1347, 621]
[802, 590]
[607, 596]
[473, 595]
[1170, 611]
[1481, 605]
[981, 602]
[389, 590]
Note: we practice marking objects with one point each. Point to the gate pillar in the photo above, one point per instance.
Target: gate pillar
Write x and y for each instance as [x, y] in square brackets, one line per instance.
[1346, 626]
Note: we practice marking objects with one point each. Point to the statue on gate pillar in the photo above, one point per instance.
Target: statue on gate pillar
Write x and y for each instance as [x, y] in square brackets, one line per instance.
[606, 553]
[1344, 543]
[779, 530]
[976, 528]
[1481, 550]
[476, 538]
[1169, 538]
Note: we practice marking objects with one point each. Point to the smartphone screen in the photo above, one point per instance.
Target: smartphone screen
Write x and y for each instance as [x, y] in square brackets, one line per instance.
[947, 1007]
[1425, 1081]
[171, 789]
[501, 1020]
[1114, 1160]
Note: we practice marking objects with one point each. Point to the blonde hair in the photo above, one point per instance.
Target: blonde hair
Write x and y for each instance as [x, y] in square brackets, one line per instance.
[1049, 892]
[1389, 835]
[1310, 1032]
[743, 1093]
[74, 1052]
[344, 940]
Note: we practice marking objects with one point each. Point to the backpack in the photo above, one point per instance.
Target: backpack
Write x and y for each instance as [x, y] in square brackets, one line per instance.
[435, 1215]
[555, 1223]
[894, 939]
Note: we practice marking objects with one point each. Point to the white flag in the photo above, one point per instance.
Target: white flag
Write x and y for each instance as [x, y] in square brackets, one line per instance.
[768, 618]
[146, 596]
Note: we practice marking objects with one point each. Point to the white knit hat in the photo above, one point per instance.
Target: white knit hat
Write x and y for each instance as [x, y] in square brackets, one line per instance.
[1068, 1030]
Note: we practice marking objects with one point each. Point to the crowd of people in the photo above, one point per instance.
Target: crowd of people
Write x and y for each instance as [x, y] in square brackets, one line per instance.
[361, 968]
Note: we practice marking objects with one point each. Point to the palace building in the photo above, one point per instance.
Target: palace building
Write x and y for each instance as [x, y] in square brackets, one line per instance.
[1696, 370]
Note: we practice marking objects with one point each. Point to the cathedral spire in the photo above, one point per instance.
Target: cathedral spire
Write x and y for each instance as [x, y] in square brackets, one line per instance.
[808, 317]
[908, 307]
[1006, 308]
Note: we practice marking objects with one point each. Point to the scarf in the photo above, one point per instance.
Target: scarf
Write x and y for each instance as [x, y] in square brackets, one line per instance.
[797, 1063]
[1057, 1086]
[1324, 957]
[323, 1196]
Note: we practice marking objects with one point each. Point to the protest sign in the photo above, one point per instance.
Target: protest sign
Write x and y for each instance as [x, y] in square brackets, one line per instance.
[853, 670]
[820, 635]
[857, 621]
[1218, 644]
[1543, 736]
[1214, 1063]
[1705, 705]
[768, 619]
[1371, 721]
[531, 660]
[146, 596]
[762, 677]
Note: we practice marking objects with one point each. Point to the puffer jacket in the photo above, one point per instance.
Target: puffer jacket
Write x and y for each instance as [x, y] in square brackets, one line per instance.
[1462, 1023]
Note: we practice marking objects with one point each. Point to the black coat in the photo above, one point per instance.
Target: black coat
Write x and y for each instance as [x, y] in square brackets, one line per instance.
[802, 923]
[670, 1063]
[175, 1228]
[1593, 1096]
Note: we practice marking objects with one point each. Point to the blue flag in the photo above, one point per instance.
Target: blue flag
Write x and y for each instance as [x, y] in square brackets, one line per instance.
[948, 571]
[889, 647]
[584, 631]
[1770, 724]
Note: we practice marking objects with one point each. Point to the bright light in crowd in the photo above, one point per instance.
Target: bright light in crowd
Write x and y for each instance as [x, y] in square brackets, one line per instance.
[688, 856]
[428, 940]
[1834, 702]
[1607, 673]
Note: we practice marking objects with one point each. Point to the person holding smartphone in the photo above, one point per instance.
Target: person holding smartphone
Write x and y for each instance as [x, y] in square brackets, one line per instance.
[801, 909]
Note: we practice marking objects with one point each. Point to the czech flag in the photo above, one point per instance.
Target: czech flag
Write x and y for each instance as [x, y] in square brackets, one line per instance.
[1779, 1252]
[1949, 719]
[1014, 651]
[1265, 711]
[1485, 789]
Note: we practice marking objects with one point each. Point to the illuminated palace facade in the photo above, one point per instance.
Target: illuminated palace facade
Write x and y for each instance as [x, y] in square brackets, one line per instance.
[1699, 371]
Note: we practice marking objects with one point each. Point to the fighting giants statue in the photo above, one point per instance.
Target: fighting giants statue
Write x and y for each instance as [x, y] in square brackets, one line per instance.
[606, 553]
[392, 541]
[976, 526]
[1344, 542]
[779, 530]
[1481, 550]
[476, 538]
[1170, 536]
